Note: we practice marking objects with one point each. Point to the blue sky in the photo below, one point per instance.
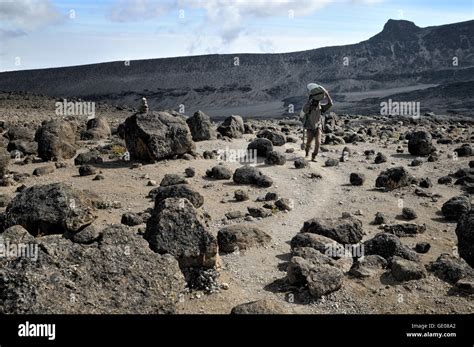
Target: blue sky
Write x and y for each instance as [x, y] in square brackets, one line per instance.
[53, 33]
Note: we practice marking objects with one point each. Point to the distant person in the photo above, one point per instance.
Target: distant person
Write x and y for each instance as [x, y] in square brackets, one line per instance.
[312, 112]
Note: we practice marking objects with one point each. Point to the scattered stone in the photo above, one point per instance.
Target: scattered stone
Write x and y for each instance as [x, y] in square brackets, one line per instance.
[156, 136]
[91, 157]
[464, 151]
[275, 158]
[388, 245]
[393, 178]
[357, 179]
[67, 209]
[87, 170]
[322, 244]
[409, 213]
[234, 215]
[284, 204]
[172, 179]
[450, 269]
[91, 275]
[379, 219]
[420, 143]
[259, 212]
[241, 195]
[250, 175]
[380, 158]
[455, 207]
[219, 172]
[343, 230]
[239, 237]
[175, 227]
[367, 266]
[422, 247]
[301, 163]
[97, 129]
[232, 127]
[201, 127]
[405, 229]
[56, 140]
[182, 191]
[331, 162]
[407, 270]
[425, 183]
[277, 138]
[131, 219]
[44, 170]
[261, 145]
[190, 172]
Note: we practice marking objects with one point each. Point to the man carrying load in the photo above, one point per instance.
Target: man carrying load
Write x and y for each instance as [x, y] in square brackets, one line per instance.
[312, 112]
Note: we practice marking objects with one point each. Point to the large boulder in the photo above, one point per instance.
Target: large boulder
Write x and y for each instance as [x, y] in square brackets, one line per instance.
[182, 191]
[155, 136]
[346, 230]
[261, 146]
[393, 178]
[420, 143]
[239, 237]
[97, 128]
[56, 140]
[450, 269]
[219, 172]
[277, 138]
[23, 146]
[251, 175]
[175, 227]
[456, 207]
[320, 278]
[232, 127]
[387, 246]
[201, 127]
[51, 209]
[275, 158]
[65, 277]
[465, 234]
[407, 270]
[320, 243]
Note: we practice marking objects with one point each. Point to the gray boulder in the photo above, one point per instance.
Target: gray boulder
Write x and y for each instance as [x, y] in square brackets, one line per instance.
[456, 207]
[264, 306]
[239, 237]
[393, 178]
[51, 209]
[232, 127]
[182, 191]
[97, 129]
[407, 270]
[450, 269]
[175, 227]
[56, 140]
[251, 175]
[155, 136]
[421, 143]
[201, 127]
[219, 172]
[343, 230]
[261, 146]
[70, 278]
[277, 138]
[388, 246]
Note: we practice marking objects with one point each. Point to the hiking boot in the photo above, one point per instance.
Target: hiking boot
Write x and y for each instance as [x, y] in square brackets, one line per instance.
[313, 157]
[307, 153]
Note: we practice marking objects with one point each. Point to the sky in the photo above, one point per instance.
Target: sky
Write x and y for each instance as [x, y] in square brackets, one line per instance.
[54, 33]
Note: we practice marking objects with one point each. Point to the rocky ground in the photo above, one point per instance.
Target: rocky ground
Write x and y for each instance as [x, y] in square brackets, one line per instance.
[258, 258]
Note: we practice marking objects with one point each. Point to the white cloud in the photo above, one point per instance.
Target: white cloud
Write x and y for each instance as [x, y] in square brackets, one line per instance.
[22, 16]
